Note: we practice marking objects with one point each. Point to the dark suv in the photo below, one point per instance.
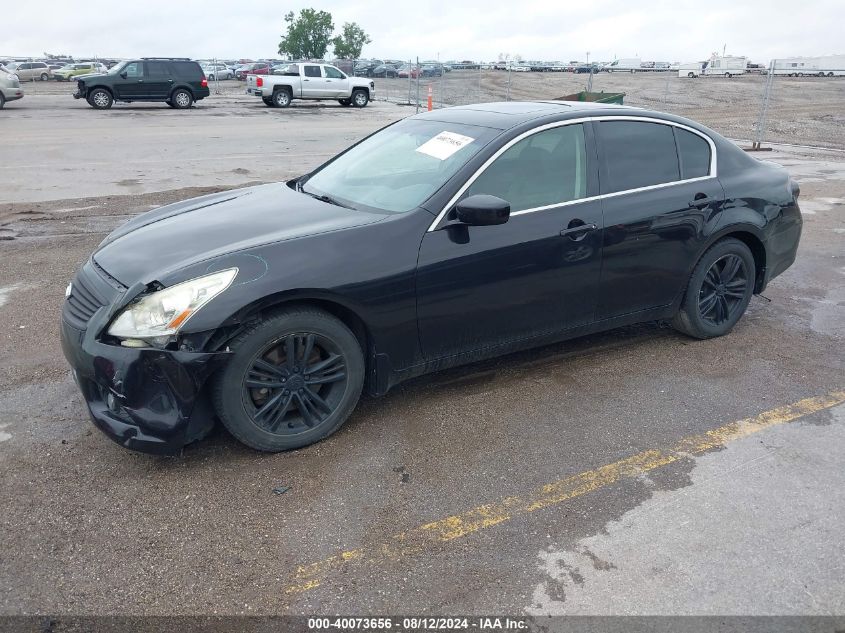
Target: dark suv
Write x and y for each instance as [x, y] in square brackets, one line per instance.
[177, 81]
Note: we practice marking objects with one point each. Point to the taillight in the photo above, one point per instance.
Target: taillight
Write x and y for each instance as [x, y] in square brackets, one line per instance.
[204, 83]
[259, 81]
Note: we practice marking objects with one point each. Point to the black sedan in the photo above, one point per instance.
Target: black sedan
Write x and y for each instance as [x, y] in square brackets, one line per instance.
[385, 70]
[442, 239]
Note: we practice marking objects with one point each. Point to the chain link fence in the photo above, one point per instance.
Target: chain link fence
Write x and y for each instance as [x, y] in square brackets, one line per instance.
[758, 106]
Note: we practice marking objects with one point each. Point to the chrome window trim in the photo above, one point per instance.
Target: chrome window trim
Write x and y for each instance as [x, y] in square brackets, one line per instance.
[548, 126]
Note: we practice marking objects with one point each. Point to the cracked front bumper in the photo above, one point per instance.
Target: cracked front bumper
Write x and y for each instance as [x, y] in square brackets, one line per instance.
[148, 400]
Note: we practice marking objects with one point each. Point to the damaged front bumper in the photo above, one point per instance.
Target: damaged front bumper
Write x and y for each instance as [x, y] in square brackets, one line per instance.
[146, 399]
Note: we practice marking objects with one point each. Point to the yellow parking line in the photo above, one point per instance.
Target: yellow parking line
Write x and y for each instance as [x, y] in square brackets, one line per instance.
[437, 532]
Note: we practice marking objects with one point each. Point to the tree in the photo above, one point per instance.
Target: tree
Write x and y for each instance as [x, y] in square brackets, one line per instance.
[308, 35]
[350, 42]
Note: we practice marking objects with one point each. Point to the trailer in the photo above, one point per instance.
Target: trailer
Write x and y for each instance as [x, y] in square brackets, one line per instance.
[828, 66]
[717, 66]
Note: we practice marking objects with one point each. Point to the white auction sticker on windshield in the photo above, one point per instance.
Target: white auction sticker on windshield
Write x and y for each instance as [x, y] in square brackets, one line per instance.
[444, 145]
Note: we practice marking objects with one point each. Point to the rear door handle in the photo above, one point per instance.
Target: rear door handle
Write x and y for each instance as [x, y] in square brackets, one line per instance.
[700, 203]
[577, 232]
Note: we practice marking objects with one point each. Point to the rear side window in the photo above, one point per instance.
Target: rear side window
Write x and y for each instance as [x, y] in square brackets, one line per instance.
[157, 69]
[637, 154]
[312, 71]
[695, 154]
[189, 71]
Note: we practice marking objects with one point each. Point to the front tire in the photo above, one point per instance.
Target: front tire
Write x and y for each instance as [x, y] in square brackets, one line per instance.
[2, 100]
[360, 98]
[718, 292]
[100, 99]
[294, 379]
[44, 76]
[181, 99]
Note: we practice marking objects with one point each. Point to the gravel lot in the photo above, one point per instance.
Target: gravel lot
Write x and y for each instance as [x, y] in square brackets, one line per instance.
[750, 522]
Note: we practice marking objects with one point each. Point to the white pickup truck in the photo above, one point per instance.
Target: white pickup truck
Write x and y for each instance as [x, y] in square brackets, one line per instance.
[310, 81]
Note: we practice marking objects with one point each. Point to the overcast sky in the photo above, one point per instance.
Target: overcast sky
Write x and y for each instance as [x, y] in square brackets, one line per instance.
[654, 30]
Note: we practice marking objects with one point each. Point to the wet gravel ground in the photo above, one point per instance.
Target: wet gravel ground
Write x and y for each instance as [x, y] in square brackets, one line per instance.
[89, 528]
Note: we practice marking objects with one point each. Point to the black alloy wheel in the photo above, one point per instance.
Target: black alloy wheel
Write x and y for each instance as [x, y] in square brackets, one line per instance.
[294, 383]
[294, 378]
[723, 290]
[719, 290]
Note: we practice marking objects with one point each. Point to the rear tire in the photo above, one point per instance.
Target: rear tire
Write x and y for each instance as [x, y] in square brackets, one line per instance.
[181, 99]
[100, 99]
[268, 102]
[360, 98]
[718, 292]
[690, 75]
[314, 370]
[2, 100]
[281, 98]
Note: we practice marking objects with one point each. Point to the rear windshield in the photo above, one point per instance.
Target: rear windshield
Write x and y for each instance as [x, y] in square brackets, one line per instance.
[187, 70]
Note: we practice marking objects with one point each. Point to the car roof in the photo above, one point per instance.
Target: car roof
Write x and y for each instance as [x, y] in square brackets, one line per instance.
[504, 115]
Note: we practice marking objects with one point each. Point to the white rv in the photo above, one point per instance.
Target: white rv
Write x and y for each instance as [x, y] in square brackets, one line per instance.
[716, 66]
[830, 66]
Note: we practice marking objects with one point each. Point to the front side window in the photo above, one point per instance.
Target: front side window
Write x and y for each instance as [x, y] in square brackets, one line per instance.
[333, 73]
[637, 154]
[401, 166]
[695, 154]
[133, 70]
[312, 71]
[541, 170]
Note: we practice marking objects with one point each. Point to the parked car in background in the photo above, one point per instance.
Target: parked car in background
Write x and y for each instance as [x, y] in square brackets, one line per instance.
[176, 81]
[521, 67]
[71, 71]
[366, 67]
[10, 86]
[406, 70]
[310, 81]
[217, 72]
[431, 70]
[30, 71]
[256, 68]
[386, 70]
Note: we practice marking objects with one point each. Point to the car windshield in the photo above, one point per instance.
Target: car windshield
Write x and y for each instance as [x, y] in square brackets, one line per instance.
[118, 68]
[400, 167]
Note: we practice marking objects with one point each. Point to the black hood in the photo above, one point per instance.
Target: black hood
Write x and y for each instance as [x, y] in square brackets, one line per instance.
[175, 236]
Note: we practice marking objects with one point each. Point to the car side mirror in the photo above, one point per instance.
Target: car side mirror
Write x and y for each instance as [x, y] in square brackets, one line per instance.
[124, 75]
[483, 210]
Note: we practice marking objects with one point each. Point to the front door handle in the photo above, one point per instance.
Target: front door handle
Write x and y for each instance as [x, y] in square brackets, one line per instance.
[578, 232]
[701, 200]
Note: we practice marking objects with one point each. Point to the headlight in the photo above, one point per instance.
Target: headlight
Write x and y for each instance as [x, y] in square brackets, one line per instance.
[162, 313]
